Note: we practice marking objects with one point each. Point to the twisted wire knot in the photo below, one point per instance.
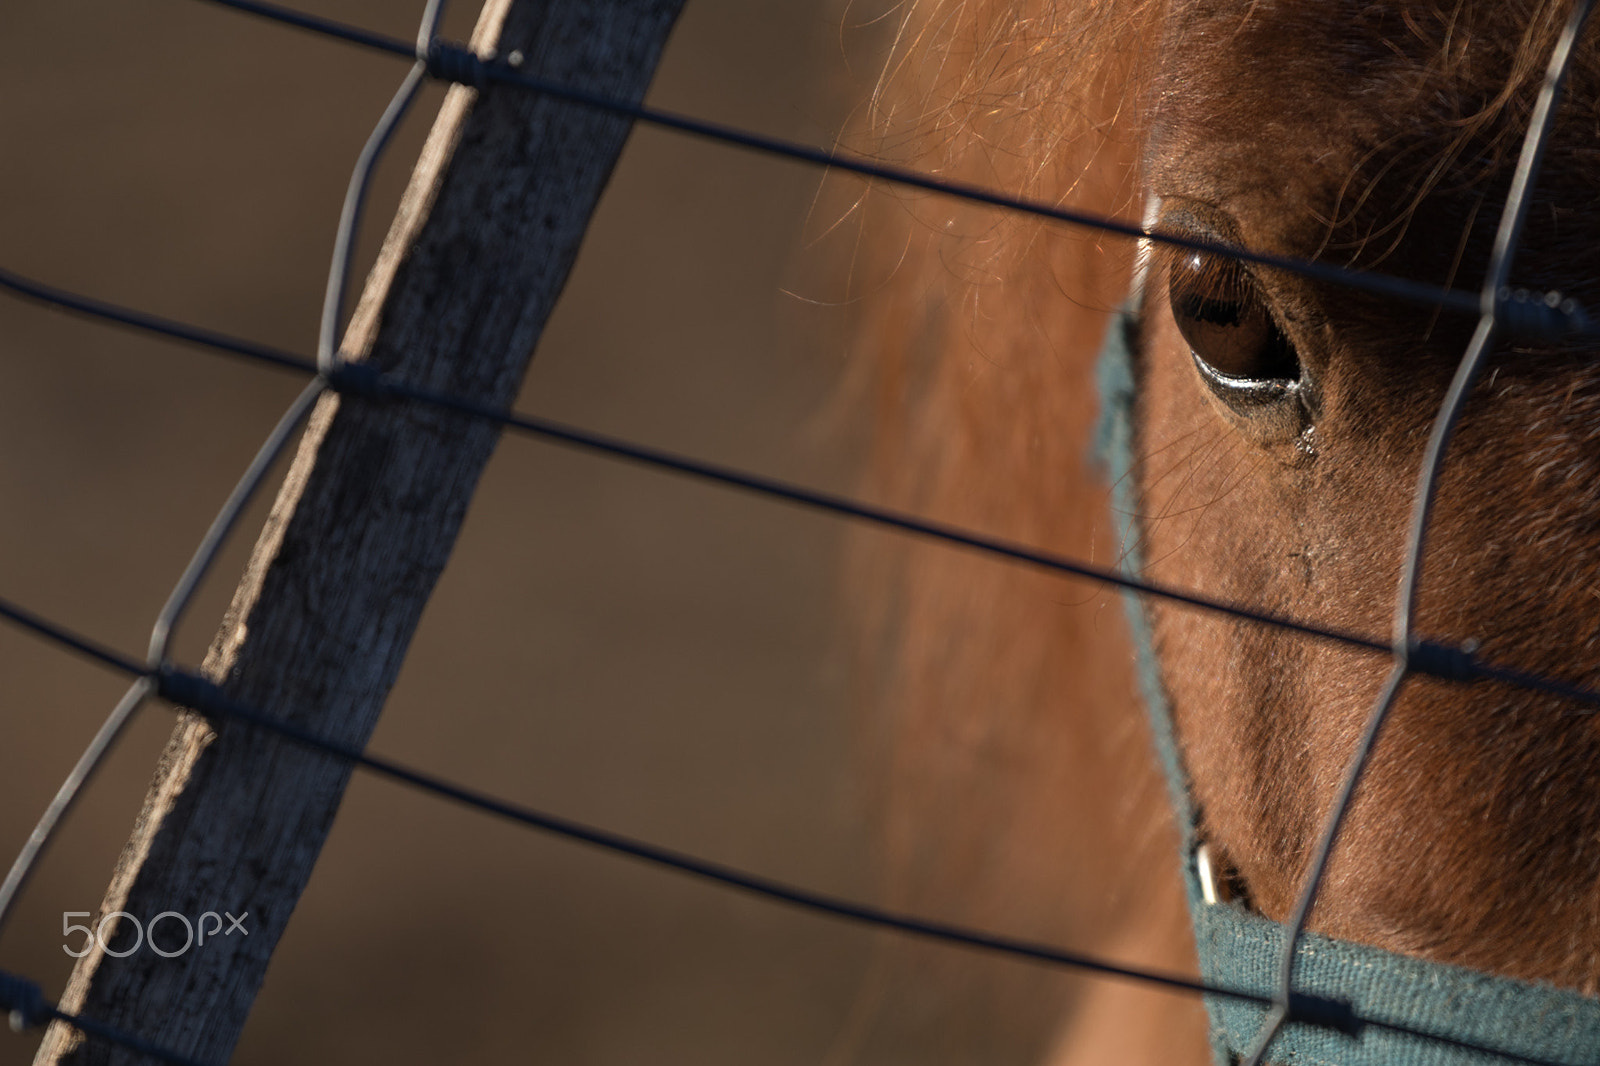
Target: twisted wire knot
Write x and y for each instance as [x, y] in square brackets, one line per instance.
[1444, 660]
[356, 379]
[24, 1000]
[452, 62]
[1337, 1014]
[1526, 313]
[183, 689]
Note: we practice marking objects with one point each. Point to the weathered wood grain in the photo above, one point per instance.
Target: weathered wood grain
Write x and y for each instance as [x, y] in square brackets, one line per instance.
[483, 243]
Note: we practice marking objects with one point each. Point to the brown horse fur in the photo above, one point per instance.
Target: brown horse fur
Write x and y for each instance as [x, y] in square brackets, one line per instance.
[1025, 795]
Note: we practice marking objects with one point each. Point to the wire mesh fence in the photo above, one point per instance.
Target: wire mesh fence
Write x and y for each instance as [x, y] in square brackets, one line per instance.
[654, 617]
[158, 677]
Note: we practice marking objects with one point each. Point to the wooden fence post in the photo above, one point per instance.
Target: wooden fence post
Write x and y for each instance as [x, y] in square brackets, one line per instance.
[483, 243]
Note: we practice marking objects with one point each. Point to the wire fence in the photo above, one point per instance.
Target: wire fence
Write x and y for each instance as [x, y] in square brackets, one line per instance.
[1500, 310]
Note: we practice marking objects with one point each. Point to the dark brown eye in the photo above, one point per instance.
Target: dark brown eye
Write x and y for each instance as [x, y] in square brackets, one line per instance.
[1219, 311]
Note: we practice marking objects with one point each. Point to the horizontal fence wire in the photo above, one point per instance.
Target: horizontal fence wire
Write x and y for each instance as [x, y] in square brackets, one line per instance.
[27, 1006]
[1519, 312]
[187, 690]
[1448, 662]
[1533, 314]
[1508, 233]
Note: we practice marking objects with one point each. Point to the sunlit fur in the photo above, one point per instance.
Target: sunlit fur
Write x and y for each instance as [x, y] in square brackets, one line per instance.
[1024, 795]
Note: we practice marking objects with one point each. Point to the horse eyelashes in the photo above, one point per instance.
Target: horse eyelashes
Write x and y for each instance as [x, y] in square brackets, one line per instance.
[1220, 312]
[1241, 354]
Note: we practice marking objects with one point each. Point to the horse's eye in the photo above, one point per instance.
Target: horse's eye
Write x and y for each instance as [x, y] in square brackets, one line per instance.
[1220, 313]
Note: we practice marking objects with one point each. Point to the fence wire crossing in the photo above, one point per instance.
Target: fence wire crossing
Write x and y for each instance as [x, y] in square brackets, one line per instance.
[1500, 310]
[1513, 214]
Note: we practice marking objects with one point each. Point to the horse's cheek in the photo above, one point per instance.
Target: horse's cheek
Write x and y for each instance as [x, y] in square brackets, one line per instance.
[1474, 786]
[1469, 785]
[1200, 503]
[1266, 719]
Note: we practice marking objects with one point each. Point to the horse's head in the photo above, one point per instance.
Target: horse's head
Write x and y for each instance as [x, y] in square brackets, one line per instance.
[1279, 426]
[1282, 424]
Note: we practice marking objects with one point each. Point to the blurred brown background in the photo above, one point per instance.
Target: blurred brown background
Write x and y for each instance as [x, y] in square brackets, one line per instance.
[654, 656]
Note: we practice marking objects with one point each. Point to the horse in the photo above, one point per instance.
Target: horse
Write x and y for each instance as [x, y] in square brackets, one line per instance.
[1278, 427]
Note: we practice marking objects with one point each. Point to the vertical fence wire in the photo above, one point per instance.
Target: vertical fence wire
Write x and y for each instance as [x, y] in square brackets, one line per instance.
[1512, 215]
[232, 509]
[1497, 307]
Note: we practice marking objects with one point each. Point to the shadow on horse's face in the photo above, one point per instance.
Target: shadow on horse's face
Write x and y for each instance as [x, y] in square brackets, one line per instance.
[1282, 429]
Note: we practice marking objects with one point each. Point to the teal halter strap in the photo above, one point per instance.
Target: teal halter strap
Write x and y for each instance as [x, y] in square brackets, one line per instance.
[1241, 951]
